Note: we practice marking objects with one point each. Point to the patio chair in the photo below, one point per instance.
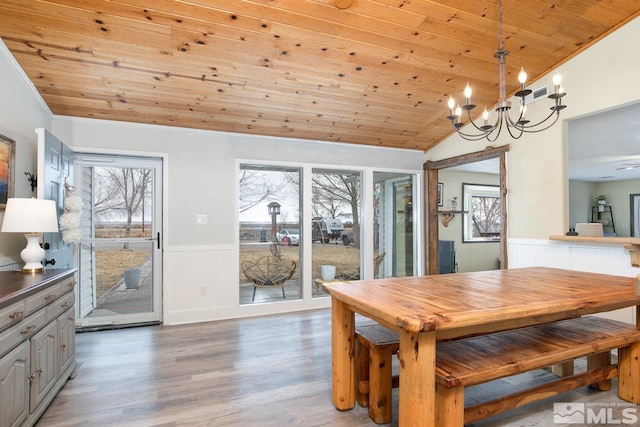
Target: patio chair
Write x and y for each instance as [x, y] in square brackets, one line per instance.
[355, 273]
[268, 271]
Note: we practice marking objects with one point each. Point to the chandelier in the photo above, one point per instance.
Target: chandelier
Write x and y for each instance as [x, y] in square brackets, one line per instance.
[516, 127]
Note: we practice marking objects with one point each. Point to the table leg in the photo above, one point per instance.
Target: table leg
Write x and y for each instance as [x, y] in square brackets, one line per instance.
[417, 379]
[343, 355]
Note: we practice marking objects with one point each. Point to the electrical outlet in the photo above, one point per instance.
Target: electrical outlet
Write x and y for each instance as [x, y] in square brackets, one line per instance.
[201, 219]
[203, 291]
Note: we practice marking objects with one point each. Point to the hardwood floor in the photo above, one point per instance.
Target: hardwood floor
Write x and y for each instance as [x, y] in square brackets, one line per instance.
[262, 371]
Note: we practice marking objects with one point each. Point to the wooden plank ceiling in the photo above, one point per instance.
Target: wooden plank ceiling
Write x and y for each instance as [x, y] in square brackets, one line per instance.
[374, 72]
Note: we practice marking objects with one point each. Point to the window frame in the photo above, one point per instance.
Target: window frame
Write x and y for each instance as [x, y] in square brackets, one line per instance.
[474, 190]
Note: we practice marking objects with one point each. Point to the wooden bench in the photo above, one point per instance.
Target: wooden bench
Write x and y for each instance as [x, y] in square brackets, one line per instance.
[375, 348]
[471, 361]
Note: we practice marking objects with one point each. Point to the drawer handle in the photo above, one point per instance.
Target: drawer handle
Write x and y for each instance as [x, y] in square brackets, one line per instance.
[28, 330]
[65, 304]
[50, 298]
[16, 315]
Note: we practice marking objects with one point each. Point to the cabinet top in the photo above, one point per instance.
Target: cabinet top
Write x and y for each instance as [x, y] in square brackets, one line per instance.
[15, 285]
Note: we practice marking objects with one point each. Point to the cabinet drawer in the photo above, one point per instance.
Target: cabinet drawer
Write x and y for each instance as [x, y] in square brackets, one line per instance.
[12, 314]
[22, 331]
[60, 305]
[42, 298]
[67, 284]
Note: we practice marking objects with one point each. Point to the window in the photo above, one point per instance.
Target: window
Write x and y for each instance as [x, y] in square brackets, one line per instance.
[482, 217]
[335, 222]
[270, 234]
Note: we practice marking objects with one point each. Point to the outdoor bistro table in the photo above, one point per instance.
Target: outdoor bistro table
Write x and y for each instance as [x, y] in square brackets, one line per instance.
[424, 309]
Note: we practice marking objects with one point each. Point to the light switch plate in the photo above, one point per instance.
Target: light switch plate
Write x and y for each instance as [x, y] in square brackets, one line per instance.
[201, 219]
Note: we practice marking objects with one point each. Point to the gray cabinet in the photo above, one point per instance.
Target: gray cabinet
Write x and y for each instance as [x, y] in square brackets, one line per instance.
[37, 342]
[14, 386]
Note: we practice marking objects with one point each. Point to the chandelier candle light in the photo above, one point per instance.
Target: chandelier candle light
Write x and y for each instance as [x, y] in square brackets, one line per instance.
[516, 128]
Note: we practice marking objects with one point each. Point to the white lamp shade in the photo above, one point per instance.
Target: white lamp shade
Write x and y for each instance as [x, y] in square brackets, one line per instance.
[30, 216]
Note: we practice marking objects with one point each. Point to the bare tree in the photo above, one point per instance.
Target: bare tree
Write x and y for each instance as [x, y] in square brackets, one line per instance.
[121, 191]
[485, 215]
[333, 192]
[255, 187]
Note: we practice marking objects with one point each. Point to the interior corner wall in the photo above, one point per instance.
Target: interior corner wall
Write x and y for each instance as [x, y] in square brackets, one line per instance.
[21, 112]
[602, 77]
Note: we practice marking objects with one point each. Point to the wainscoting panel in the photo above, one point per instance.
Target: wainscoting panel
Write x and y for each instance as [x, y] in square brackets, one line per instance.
[201, 283]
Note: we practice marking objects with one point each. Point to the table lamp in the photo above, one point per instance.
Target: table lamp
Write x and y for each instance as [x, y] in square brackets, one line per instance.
[31, 217]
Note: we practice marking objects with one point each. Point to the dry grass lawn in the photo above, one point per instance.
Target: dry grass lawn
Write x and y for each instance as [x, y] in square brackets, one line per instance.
[111, 263]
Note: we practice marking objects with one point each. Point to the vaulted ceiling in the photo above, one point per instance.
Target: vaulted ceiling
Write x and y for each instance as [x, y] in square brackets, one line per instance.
[374, 72]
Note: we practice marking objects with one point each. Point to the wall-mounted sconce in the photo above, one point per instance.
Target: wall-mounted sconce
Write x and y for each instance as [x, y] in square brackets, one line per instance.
[33, 180]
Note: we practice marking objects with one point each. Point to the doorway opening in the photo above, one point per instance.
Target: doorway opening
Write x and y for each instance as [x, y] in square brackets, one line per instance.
[119, 249]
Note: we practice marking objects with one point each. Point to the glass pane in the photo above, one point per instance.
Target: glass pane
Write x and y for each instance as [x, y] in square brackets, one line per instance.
[270, 234]
[123, 277]
[394, 240]
[336, 226]
[116, 251]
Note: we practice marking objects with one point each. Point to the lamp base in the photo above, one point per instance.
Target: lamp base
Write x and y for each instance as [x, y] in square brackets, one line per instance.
[33, 254]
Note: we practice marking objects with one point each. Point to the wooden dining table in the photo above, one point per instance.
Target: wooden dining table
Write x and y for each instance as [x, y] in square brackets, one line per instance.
[425, 309]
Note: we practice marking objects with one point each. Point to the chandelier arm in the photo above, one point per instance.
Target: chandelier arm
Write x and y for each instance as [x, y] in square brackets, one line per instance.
[472, 137]
[509, 128]
[529, 129]
[487, 131]
[485, 134]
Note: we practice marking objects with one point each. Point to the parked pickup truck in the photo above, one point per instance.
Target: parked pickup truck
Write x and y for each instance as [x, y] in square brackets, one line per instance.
[347, 238]
[325, 229]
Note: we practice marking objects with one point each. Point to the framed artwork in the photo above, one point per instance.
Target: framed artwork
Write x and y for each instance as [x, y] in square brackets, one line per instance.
[7, 161]
[440, 189]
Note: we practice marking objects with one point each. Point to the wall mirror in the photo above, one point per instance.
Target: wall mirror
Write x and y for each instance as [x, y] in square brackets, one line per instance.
[604, 159]
[468, 168]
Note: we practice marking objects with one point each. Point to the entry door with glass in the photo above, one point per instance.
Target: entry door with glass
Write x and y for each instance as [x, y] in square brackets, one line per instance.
[120, 246]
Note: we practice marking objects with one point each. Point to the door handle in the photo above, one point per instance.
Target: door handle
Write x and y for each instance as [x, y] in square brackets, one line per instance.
[157, 239]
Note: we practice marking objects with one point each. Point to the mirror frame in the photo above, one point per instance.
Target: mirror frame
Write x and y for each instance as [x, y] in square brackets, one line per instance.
[431, 169]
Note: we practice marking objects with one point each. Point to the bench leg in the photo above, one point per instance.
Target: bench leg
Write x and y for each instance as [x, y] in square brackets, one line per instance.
[362, 372]
[629, 373]
[565, 369]
[449, 406]
[380, 385]
[596, 361]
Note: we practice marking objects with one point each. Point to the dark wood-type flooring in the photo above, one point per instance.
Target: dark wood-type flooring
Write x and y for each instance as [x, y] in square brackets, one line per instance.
[261, 371]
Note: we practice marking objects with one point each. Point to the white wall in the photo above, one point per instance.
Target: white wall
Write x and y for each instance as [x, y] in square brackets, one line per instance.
[21, 112]
[201, 178]
[580, 201]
